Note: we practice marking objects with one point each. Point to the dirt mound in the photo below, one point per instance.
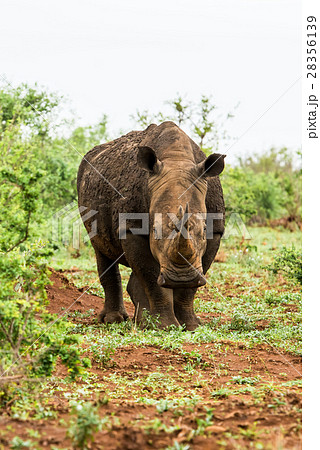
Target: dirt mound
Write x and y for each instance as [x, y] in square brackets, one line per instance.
[65, 297]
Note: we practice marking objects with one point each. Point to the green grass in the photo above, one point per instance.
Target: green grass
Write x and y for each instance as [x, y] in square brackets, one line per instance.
[248, 303]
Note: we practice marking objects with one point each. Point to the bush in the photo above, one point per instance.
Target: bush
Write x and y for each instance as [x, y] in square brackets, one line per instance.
[265, 187]
[288, 262]
[31, 340]
[38, 168]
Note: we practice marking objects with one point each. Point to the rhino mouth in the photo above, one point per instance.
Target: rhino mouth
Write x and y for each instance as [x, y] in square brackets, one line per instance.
[170, 279]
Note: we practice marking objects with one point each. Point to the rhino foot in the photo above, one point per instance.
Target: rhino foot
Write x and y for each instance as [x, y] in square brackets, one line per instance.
[166, 323]
[190, 322]
[161, 322]
[112, 317]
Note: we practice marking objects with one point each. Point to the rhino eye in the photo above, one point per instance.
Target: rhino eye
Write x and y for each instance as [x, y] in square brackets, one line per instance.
[155, 232]
[204, 230]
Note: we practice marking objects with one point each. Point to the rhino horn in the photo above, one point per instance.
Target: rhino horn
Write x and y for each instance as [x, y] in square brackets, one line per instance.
[186, 224]
[182, 249]
[185, 247]
[180, 214]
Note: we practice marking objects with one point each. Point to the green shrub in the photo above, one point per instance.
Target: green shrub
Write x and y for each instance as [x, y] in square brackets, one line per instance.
[253, 195]
[38, 167]
[289, 263]
[265, 186]
[31, 340]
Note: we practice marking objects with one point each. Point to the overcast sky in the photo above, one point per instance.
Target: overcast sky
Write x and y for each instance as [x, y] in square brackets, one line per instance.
[115, 57]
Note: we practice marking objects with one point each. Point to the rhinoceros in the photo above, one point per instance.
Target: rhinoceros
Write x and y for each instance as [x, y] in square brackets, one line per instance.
[162, 175]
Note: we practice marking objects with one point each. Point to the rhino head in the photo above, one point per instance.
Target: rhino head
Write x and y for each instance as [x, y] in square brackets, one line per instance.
[177, 210]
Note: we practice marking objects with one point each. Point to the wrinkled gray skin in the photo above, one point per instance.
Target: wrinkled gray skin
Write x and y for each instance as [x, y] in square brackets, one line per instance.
[156, 171]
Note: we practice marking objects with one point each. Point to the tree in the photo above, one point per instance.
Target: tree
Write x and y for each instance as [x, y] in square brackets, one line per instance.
[199, 119]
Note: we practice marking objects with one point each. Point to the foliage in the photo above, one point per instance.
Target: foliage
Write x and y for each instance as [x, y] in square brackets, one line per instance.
[38, 166]
[33, 173]
[289, 262]
[264, 187]
[31, 339]
[85, 423]
[30, 109]
[20, 177]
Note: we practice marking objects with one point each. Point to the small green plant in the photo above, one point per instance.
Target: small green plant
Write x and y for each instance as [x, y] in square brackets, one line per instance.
[102, 355]
[156, 426]
[192, 356]
[251, 433]
[289, 262]
[276, 404]
[163, 405]
[240, 322]
[245, 380]
[17, 443]
[271, 297]
[202, 424]
[149, 321]
[84, 425]
[221, 393]
[33, 433]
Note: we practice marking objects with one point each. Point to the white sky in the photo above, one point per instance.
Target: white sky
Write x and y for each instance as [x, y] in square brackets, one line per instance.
[115, 57]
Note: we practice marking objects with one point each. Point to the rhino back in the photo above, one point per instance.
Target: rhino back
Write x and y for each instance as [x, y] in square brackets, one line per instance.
[110, 182]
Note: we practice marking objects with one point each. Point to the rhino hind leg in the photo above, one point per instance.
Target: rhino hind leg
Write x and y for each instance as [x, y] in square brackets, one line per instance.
[110, 279]
[183, 308]
[138, 297]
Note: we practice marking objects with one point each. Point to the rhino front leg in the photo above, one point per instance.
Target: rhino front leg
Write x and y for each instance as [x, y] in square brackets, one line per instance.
[146, 269]
[110, 279]
[183, 298]
[161, 302]
[138, 297]
[183, 308]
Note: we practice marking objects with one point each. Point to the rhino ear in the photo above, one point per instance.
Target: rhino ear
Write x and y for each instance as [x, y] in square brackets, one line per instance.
[211, 166]
[148, 160]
